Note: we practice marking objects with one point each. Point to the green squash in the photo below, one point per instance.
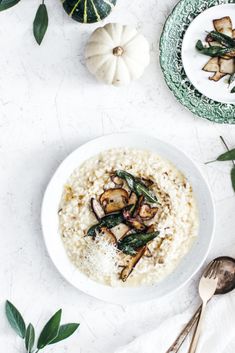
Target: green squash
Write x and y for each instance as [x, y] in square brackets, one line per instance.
[88, 11]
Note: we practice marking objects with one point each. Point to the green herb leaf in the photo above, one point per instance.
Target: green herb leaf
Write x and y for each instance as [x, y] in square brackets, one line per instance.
[233, 177]
[223, 39]
[29, 338]
[6, 4]
[131, 243]
[137, 186]
[130, 180]
[214, 50]
[65, 331]
[199, 45]
[227, 156]
[50, 330]
[232, 90]
[143, 190]
[40, 23]
[15, 319]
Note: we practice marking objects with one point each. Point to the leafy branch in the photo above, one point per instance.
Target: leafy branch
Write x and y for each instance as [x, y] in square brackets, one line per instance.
[227, 156]
[52, 332]
[40, 23]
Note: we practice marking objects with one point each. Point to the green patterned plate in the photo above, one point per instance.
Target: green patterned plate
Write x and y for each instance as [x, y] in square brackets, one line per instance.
[172, 67]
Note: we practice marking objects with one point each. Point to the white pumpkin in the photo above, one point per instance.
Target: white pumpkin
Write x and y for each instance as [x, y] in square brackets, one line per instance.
[117, 54]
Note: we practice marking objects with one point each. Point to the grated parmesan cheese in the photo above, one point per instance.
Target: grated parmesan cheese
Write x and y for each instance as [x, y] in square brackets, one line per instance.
[101, 256]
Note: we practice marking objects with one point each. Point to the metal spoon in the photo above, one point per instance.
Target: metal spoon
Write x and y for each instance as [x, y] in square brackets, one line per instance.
[226, 283]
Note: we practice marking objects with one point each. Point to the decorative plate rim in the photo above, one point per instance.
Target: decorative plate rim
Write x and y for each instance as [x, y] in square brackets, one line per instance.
[176, 80]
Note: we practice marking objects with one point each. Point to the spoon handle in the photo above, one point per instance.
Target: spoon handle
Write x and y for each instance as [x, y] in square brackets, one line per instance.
[174, 348]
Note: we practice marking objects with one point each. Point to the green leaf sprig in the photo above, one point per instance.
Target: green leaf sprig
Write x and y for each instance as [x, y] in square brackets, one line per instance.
[40, 23]
[6, 4]
[227, 156]
[52, 332]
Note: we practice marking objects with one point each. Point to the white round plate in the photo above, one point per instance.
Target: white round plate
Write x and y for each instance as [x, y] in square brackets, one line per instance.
[193, 60]
[187, 267]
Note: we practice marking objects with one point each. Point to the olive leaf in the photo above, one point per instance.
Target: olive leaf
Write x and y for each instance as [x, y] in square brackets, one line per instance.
[6, 4]
[65, 331]
[29, 338]
[40, 23]
[15, 319]
[233, 177]
[50, 330]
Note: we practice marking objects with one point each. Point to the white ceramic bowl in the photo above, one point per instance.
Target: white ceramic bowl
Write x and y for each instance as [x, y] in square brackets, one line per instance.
[187, 267]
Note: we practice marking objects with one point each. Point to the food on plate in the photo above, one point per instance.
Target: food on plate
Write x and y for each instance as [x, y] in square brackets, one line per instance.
[220, 46]
[117, 54]
[88, 11]
[127, 217]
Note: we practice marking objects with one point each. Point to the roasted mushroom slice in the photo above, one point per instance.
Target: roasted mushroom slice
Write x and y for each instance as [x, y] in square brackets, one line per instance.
[131, 264]
[146, 212]
[227, 66]
[217, 76]
[133, 198]
[120, 230]
[113, 200]
[135, 222]
[138, 205]
[97, 208]
[223, 25]
[212, 65]
[108, 235]
[116, 180]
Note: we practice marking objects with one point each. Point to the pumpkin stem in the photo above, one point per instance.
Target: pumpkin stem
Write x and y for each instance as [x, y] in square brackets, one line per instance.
[118, 51]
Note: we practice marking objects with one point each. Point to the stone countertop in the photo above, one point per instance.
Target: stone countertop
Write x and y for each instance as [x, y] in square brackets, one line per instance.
[49, 105]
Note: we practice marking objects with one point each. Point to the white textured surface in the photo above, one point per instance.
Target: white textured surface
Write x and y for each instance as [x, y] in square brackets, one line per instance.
[50, 104]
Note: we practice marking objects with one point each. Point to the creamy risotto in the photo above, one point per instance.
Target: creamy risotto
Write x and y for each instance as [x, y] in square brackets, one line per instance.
[127, 217]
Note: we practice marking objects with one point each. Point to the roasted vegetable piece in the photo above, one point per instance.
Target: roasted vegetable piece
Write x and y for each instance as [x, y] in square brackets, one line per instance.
[134, 221]
[137, 186]
[97, 209]
[109, 221]
[117, 181]
[131, 264]
[138, 205]
[132, 199]
[217, 76]
[131, 243]
[120, 230]
[113, 200]
[146, 212]
[223, 25]
[212, 65]
[108, 235]
[226, 66]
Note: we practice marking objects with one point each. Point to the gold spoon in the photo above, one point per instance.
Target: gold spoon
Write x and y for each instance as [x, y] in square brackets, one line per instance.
[225, 284]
